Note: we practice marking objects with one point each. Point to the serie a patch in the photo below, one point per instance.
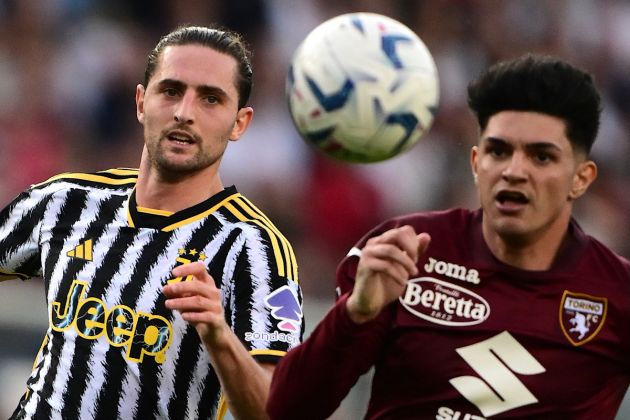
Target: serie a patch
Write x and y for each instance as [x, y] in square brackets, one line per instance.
[582, 316]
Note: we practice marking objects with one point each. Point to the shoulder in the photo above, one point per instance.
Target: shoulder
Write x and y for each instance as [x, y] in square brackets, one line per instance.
[261, 234]
[113, 179]
[601, 258]
[110, 182]
[247, 214]
[448, 216]
[449, 226]
[433, 222]
[252, 221]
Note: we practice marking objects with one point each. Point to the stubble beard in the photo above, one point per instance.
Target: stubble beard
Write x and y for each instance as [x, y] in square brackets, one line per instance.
[172, 168]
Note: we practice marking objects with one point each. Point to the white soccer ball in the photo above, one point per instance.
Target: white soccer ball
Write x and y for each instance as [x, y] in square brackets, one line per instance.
[362, 87]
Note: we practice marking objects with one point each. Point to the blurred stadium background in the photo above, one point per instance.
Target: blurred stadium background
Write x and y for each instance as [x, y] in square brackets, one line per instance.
[68, 71]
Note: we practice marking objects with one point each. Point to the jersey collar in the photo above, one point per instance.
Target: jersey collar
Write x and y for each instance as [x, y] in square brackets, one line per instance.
[166, 221]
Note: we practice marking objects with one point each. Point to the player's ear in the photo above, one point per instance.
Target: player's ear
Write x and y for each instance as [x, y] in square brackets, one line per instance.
[474, 154]
[243, 119]
[582, 178]
[140, 103]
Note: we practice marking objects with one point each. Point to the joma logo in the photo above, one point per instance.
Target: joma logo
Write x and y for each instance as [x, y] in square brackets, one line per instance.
[454, 271]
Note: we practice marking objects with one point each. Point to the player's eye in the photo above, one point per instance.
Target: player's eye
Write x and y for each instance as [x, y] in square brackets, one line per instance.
[171, 92]
[211, 99]
[496, 151]
[543, 157]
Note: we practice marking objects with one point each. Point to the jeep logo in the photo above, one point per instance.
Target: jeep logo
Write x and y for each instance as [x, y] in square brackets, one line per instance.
[141, 333]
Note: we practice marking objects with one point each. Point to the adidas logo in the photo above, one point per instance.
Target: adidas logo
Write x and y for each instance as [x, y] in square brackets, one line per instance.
[82, 251]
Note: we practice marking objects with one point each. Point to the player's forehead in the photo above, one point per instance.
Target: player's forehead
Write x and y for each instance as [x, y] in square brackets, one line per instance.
[197, 65]
[526, 129]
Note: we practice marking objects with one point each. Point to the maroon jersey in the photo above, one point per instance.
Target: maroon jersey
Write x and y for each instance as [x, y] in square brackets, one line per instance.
[473, 338]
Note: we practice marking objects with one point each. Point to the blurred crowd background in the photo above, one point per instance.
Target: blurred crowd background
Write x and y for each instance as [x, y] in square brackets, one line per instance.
[68, 71]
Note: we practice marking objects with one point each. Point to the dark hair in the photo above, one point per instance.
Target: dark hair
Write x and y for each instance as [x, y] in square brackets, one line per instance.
[540, 84]
[219, 39]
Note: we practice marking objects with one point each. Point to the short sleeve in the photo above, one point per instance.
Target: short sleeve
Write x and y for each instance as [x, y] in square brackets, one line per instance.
[266, 311]
[20, 223]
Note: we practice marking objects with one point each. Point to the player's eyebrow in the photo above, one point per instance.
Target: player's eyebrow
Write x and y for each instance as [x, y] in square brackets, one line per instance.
[205, 90]
[538, 145]
[202, 90]
[494, 140]
[171, 83]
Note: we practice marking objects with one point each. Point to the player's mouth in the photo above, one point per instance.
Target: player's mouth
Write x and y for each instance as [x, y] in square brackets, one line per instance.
[511, 201]
[181, 138]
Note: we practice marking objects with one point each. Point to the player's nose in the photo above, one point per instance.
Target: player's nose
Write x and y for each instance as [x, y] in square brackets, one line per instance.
[515, 168]
[184, 110]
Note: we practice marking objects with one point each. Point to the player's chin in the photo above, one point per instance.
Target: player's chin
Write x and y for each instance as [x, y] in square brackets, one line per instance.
[181, 165]
[512, 229]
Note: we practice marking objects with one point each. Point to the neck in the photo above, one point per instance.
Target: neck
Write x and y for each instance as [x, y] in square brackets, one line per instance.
[536, 251]
[175, 192]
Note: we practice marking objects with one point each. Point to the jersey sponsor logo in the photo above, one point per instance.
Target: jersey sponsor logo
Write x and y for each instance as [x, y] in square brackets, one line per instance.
[141, 333]
[271, 337]
[582, 316]
[446, 413]
[454, 271]
[285, 307]
[496, 386]
[83, 251]
[444, 303]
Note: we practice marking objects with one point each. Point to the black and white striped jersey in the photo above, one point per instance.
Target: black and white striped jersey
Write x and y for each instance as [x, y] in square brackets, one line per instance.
[112, 349]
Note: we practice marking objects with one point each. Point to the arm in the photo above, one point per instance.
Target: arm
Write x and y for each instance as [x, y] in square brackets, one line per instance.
[244, 381]
[348, 341]
[312, 379]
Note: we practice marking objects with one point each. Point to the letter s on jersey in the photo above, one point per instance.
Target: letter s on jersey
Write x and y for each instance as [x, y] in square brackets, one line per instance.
[444, 303]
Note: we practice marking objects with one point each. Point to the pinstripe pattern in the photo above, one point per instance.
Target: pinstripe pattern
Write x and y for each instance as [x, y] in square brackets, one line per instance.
[112, 349]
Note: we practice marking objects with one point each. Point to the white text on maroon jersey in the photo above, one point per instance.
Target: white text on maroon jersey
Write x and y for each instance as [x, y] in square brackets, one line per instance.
[444, 303]
[452, 270]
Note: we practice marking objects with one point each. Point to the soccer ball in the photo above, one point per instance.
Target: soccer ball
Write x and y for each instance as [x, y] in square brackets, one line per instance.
[362, 87]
